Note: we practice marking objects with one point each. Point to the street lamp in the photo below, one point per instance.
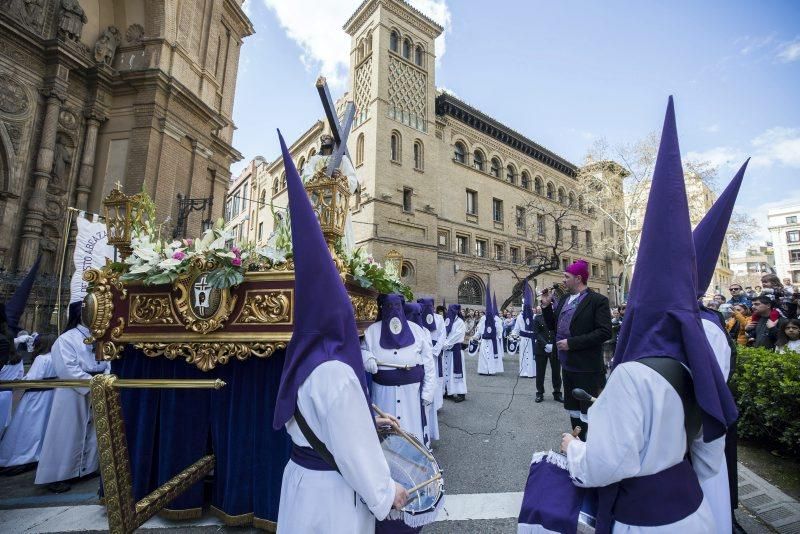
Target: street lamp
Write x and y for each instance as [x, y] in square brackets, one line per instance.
[185, 207]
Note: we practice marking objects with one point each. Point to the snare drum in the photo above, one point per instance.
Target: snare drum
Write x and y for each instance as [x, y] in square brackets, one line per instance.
[413, 466]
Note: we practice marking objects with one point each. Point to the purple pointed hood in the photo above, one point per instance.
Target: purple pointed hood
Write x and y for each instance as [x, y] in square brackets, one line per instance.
[413, 312]
[710, 232]
[527, 307]
[428, 313]
[666, 274]
[15, 306]
[395, 332]
[321, 333]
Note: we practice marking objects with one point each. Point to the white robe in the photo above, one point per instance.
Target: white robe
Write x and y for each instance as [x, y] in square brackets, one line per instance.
[637, 427]
[527, 354]
[489, 363]
[70, 442]
[716, 488]
[333, 404]
[403, 402]
[453, 385]
[23, 439]
[440, 336]
[8, 372]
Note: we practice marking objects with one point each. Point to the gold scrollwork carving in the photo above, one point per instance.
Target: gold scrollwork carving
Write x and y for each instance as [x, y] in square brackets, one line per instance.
[206, 356]
[365, 308]
[152, 309]
[116, 332]
[100, 300]
[110, 350]
[267, 307]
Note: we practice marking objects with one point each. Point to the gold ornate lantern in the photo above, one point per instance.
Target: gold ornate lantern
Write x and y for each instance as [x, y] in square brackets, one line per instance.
[330, 198]
[119, 214]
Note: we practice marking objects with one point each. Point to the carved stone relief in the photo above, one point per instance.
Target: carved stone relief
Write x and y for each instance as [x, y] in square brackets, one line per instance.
[134, 34]
[106, 45]
[71, 19]
[29, 13]
[67, 119]
[13, 98]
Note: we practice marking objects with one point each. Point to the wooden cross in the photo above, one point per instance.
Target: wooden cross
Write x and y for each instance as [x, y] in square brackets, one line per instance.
[340, 131]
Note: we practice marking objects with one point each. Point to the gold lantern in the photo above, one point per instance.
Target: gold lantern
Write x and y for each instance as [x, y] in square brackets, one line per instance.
[330, 198]
[393, 262]
[120, 212]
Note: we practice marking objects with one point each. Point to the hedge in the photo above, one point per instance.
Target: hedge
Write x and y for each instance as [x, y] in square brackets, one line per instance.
[767, 390]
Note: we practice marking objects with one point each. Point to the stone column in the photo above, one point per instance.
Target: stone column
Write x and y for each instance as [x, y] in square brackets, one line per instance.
[86, 175]
[32, 227]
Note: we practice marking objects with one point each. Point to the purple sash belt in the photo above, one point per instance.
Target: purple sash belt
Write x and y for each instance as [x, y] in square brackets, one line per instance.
[308, 458]
[439, 361]
[493, 337]
[399, 377]
[529, 335]
[458, 368]
[650, 501]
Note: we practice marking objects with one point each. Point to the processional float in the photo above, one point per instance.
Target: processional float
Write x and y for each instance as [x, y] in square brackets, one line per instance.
[171, 438]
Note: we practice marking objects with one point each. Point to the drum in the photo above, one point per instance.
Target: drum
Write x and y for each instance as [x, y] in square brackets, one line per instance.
[413, 466]
[551, 501]
[473, 346]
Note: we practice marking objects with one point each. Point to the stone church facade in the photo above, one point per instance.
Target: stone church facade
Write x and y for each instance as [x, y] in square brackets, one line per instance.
[466, 200]
[99, 92]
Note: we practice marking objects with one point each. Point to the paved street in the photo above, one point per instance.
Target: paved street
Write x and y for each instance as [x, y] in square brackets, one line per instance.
[485, 450]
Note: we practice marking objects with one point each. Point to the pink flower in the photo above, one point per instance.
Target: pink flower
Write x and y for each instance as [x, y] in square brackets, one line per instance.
[236, 262]
[188, 242]
[236, 250]
[178, 255]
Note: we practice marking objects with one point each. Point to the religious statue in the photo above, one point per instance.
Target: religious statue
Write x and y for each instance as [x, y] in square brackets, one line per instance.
[319, 162]
[28, 12]
[61, 162]
[71, 20]
[106, 46]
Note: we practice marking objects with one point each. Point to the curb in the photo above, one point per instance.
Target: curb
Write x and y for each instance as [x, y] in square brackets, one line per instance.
[768, 503]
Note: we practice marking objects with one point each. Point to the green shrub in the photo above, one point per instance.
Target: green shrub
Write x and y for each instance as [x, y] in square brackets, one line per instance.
[767, 390]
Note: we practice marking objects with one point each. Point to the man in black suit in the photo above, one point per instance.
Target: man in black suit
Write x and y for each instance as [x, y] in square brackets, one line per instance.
[545, 351]
[582, 322]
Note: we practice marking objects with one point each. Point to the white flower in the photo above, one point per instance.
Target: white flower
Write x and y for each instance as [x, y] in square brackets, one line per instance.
[169, 264]
[137, 269]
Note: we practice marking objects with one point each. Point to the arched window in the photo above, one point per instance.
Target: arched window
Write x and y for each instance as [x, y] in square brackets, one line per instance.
[395, 147]
[394, 39]
[262, 198]
[283, 180]
[360, 51]
[470, 291]
[368, 43]
[301, 164]
[580, 203]
[571, 199]
[418, 55]
[419, 155]
[312, 153]
[460, 153]
[494, 170]
[562, 195]
[406, 48]
[275, 186]
[537, 185]
[551, 191]
[511, 174]
[477, 160]
[360, 149]
[526, 180]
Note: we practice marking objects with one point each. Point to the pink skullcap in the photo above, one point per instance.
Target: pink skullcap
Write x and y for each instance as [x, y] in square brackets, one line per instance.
[579, 268]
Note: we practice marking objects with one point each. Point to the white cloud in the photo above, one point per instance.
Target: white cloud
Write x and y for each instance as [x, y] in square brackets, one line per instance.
[789, 51]
[713, 128]
[316, 26]
[777, 146]
[753, 44]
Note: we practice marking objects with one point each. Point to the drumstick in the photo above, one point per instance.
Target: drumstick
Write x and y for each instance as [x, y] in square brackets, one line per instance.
[395, 366]
[403, 433]
[576, 431]
[421, 485]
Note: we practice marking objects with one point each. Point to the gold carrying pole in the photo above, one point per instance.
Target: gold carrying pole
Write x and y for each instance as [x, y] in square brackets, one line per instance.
[64, 243]
[130, 383]
[125, 514]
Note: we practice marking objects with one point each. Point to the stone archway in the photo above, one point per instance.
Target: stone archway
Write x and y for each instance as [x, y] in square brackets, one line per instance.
[470, 291]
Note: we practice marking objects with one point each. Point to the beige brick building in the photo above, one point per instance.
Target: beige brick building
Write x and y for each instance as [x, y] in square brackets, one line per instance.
[98, 91]
[465, 199]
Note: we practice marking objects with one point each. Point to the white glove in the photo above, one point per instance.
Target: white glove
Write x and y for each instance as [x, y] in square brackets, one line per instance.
[371, 365]
[548, 347]
[426, 402]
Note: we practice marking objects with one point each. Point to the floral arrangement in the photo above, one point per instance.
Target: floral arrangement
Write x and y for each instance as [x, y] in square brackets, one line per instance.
[155, 260]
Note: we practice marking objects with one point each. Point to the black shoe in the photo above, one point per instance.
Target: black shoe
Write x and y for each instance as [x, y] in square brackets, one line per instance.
[539, 397]
[59, 487]
[460, 398]
[557, 397]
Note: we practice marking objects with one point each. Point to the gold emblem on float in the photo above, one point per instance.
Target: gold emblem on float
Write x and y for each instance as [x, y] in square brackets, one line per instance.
[202, 308]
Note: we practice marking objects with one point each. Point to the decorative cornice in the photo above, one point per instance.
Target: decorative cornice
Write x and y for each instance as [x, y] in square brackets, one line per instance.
[447, 104]
[399, 8]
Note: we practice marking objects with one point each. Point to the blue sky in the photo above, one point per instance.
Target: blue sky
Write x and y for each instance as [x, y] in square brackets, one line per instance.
[565, 73]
